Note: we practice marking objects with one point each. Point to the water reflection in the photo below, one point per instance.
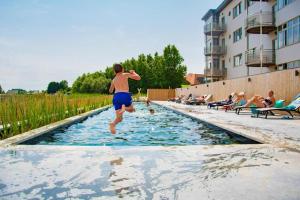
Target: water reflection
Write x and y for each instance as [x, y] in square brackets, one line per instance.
[141, 128]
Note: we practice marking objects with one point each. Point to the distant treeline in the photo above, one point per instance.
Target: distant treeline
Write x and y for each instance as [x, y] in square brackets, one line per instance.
[157, 71]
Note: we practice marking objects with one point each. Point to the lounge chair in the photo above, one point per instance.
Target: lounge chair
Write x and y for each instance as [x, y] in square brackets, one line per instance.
[205, 100]
[234, 105]
[238, 109]
[222, 103]
[294, 106]
[195, 101]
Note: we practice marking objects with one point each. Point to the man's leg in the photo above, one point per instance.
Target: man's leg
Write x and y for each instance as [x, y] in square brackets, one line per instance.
[119, 118]
[130, 108]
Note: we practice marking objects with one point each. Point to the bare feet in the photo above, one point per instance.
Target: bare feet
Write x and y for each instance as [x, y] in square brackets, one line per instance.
[112, 128]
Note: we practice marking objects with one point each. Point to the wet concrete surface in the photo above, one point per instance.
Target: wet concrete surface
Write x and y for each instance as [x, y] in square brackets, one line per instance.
[181, 172]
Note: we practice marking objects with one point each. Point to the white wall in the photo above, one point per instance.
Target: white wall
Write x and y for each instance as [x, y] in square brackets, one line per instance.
[288, 54]
[241, 46]
[289, 12]
[292, 52]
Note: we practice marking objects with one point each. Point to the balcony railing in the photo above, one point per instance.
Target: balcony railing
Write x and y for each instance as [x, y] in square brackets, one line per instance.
[214, 28]
[215, 72]
[215, 50]
[267, 23]
[253, 58]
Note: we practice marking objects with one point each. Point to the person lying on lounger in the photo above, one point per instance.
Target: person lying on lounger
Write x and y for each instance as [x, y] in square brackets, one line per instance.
[195, 100]
[177, 99]
[224, 102]
[262, 102]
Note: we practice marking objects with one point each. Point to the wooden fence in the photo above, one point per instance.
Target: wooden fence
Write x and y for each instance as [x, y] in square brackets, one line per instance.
[160, 94]
[285, 84]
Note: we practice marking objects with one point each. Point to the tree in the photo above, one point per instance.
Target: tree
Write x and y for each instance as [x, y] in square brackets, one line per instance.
[92, 83]
[63, 85]
[1, 90]
[53, 87]
[174, 70]
[157, 71]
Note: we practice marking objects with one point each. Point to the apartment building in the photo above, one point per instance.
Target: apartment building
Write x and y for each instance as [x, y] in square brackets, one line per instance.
[244, 37]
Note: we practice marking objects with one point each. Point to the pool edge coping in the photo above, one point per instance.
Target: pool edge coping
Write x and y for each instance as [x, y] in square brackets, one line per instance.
[17, 139]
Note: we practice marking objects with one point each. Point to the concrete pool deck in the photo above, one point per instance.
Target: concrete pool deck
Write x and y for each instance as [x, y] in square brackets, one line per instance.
[250, 172]
[182, 172]
[274, 130]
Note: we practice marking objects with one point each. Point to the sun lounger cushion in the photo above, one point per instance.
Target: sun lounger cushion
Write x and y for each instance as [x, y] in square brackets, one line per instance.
[279, 104]
[242, 102]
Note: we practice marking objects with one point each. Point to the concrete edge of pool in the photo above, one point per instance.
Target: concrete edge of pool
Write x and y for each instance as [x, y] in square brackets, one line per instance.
[17, 139]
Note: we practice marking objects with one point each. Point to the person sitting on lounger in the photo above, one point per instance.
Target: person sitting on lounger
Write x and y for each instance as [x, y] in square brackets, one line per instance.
[240, 100]
[262, 102]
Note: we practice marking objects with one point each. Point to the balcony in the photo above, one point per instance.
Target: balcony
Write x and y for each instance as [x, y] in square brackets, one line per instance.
[215, 72]
[253, 58]
[267, 23]
[215, 50]
[214, 29]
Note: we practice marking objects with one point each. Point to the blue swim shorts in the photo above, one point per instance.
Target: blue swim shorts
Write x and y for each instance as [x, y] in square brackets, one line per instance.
[122, 98]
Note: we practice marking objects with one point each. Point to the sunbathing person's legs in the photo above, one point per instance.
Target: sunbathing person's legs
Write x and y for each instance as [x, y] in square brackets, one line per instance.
[256, 100]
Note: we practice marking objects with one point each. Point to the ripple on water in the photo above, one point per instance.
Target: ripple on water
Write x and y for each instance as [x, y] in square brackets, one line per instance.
[141, 128]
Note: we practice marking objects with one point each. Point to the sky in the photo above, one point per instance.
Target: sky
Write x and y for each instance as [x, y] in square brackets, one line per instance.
[53, 40]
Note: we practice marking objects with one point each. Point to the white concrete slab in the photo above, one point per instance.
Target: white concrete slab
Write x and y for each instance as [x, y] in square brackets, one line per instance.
[248, 172]
[276, 131]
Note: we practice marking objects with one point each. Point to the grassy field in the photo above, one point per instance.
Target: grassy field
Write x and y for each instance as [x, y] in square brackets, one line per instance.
[21, 113]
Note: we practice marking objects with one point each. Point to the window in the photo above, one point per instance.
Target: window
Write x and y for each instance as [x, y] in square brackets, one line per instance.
[223, 64]
[282, 67]
[237, 35]
[223, 21]
[296, 29]
[288, 33]
[216, 41]
[282, 3]
[293, 64]
[237, 60]
[250, 3]
[237, 10]
[216, 63]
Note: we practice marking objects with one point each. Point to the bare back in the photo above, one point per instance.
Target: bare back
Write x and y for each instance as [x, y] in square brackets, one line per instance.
[120, 83]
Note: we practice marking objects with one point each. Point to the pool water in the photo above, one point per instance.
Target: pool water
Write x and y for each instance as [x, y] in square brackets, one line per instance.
[164, 127]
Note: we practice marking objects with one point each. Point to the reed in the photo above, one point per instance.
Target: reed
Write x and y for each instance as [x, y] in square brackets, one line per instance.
[21, 113]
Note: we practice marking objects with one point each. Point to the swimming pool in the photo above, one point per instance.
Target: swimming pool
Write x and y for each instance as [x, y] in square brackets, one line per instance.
[164, 128]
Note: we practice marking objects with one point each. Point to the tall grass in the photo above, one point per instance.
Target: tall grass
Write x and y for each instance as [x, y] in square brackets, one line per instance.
[21, 113]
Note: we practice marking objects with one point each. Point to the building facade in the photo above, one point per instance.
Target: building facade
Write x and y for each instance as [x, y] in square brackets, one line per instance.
[195, 79]
[244, 38]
